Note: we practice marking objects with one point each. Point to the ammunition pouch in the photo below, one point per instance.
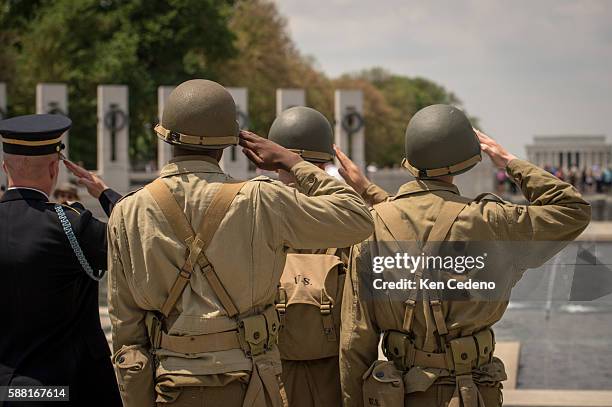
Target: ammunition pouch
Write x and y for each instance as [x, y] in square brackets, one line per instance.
[383, 385]
[259, 333]
[256, 335]
[462, 356]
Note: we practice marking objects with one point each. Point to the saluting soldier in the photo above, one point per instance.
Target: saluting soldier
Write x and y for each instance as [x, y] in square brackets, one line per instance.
[371, 193]
[441, 349]
[52, 257]
[310, 294]
[196, 258]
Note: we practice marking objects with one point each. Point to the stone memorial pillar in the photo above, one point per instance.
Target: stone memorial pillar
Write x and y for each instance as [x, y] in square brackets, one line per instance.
[286, 98]
[349, 127]
[52, 98]
[164, 150]
[113, 136]
[233, 161]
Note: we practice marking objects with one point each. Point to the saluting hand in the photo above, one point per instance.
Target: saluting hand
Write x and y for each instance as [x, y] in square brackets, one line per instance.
[499, 155]
[94, 184]
[266, 154]
[351, 172]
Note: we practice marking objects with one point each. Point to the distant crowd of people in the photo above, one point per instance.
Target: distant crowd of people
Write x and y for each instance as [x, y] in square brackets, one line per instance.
[588, 180]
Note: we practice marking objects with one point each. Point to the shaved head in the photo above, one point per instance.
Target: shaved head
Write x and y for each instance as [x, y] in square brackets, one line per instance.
[38, 172]
[28, 167]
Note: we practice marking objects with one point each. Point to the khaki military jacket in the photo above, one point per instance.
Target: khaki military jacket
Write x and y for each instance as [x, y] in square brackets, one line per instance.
[374, 194]
[556, 212]
[247, 252]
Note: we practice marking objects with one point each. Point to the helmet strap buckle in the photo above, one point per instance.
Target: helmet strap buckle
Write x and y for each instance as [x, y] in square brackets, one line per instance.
[173, 136]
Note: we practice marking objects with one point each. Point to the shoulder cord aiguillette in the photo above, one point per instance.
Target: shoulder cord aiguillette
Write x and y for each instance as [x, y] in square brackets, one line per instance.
[74, 243]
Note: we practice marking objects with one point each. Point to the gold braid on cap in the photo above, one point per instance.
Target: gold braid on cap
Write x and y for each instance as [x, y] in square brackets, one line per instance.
[438, 172]
[313, 155]
[179, 138]
[36, 143]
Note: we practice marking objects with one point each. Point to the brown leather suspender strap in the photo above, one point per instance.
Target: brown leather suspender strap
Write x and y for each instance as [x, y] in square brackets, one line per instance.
[210, 223]
[170, 208]
[445, 220]
[182, 228]
[196, 243]
[391, 217]
[448, 215]
[466, 393]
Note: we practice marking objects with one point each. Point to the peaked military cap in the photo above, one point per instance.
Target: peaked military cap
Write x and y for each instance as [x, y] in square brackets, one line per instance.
[34, 134]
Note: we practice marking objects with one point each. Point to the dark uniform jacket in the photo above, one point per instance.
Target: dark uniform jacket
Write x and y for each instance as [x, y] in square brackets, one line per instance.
[51, 332]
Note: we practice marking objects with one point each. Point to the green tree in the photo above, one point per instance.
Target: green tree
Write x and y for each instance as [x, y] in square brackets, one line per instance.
[148, 43]
[140, 43]
[390, 102]
[267, 59]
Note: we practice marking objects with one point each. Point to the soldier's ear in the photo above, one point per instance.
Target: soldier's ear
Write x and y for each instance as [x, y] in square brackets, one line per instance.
[54, 169]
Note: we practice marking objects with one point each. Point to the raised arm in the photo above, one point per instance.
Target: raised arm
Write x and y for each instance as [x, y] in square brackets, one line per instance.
[321, 212]
[95, 185]
[556, 211]
[353, 176]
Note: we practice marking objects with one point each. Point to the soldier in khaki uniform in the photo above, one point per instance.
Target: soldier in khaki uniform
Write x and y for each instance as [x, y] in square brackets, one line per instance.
[310, 294]
[441, 351]
[196, 257]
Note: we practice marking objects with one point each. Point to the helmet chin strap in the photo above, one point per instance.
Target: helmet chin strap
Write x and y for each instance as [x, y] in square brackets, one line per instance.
[173, 137]
[440, 172]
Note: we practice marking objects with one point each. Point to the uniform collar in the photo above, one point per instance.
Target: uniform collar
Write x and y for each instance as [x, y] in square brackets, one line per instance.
[425, 185]
[24, 193]
[188, 164]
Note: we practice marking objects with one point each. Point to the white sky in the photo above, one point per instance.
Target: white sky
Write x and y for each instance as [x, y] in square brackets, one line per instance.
[523, 67]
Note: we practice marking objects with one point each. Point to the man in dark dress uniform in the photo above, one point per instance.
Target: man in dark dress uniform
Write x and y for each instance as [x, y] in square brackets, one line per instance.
[51, 258]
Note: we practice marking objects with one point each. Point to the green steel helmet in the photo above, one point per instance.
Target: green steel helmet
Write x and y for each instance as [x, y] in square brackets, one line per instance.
[440, 141]
[199, 114]
[305, 131]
